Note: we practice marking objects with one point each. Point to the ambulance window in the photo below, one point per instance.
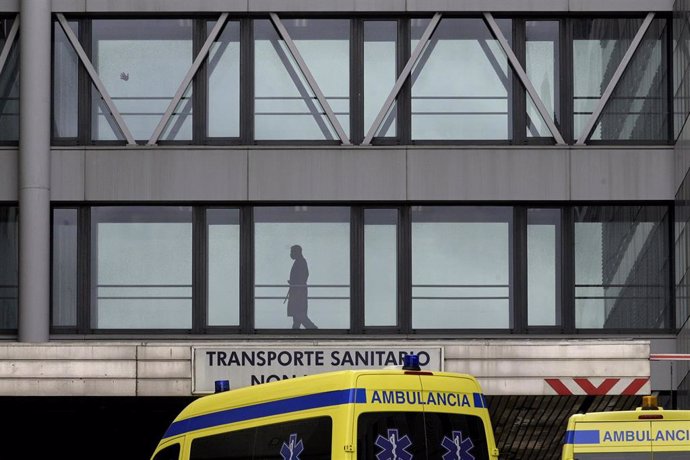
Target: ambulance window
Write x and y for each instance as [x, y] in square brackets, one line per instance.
[169, 453]
[234, 445]
[308, 439]
[389, 435]
[462, 435]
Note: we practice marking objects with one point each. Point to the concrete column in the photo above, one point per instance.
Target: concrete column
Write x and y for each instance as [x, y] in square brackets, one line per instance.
[34, 170]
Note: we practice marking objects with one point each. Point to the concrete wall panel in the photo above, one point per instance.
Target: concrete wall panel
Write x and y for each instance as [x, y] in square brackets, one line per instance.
[164, 387]
[552, 349]
[103, 352]
[487, 5]
[327, 174]
[164, 369]
[487, 174]
[67, 175]
[67, 387]
[74, 369]
[166, 174]
[159, 6]
[622, 174]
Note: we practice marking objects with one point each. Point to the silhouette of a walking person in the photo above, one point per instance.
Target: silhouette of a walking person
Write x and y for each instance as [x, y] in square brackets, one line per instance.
[297, 292]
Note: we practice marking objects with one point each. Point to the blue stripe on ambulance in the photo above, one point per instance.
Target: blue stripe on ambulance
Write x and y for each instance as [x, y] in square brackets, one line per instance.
[582, 437]
[283, 406]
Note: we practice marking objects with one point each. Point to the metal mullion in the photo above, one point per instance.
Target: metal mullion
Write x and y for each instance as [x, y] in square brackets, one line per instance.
[404, 100]
[404, 270]
[519, 266]
[85, 250]
[188, 78]
[568, 270]
[519, 109]
[566, 80]
[356, 80]
[95, 79]
[246, 81]
[622, 66]
[357, 269]
[199, 86]
[247, 275]
[402, 78]
[517, 67]
[4, 54]
[282, 31]
[199, 270]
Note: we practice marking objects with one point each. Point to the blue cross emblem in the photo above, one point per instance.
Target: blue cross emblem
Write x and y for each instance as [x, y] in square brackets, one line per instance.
[292, 449]
[393, 447]
[457, 448]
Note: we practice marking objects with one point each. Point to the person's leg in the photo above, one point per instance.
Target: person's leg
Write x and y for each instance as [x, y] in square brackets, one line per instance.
[295, 322]
[308, 324]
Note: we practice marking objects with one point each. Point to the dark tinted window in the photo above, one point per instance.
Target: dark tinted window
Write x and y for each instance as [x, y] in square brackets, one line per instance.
[615, 456]
[169, 453]
[308, 439]
[415, 435]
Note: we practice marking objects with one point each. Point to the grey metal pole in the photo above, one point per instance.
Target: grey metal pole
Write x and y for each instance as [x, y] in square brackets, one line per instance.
[34, 170]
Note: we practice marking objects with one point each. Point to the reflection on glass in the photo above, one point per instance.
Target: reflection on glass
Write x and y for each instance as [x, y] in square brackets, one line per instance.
[461, 267]
[64, 267]
[638, 107]
[65, 84]
[598, 48]
[142, 267]
[141, 63]
[223, 118]
[9, 87]
[542, 63]
[223, 230]
[380, 42]
[543, 267]
[285, 105]
[380, 267]
[461, 85]
[9, 267]
[621, 267]
[302, 267]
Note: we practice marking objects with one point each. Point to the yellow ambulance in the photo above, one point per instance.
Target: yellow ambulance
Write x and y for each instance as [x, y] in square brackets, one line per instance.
[647, 433]
[369, 414]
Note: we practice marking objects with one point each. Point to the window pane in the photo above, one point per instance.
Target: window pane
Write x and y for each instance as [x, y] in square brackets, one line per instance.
[141, 63]
[64, 267]
[9, 87]
[376, 430]
[169, 453]
[461, 267]
[285, 106]
[9, 268]
[279, 441]
[142, 267]
[638, 108]
[475, 102]
[621, 267]
[543, 267]
[380, 73]
[598, 48]
[65, 83]
[380, 267]
[302, 267]
[542, 70]
[224, 82]
[223, 229]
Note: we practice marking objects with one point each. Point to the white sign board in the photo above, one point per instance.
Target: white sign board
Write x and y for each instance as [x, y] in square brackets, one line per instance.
[245, 366]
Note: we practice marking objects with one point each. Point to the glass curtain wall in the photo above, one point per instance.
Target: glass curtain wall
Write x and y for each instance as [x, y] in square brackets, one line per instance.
[9, 268]
[598, 48]
[223, 263]
[141, 262]
[380, 73]
[543, 69]
[639, 107]
[621, 267]
[462, 83]
[380, 267]
[65, 256]
[285, 106]
[302, 267]
[9, 86]
[461, 259]
[223, 69]
[141, 63]
[65, 84]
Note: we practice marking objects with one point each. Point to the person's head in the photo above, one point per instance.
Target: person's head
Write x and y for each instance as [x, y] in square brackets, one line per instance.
[295, 251]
